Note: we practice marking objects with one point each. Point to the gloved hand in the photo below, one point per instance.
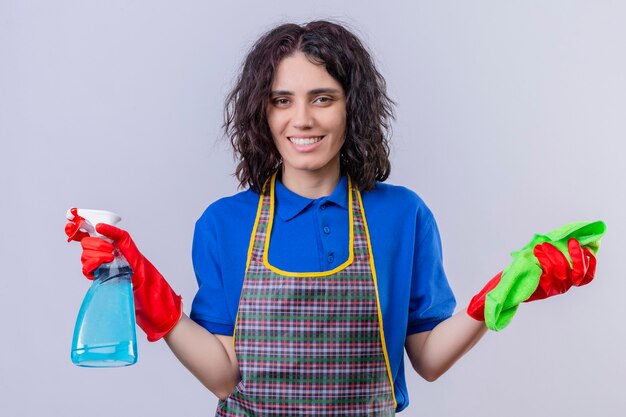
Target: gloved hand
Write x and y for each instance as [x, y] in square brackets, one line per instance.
[157, 307]
[540, 270]
[556, 278]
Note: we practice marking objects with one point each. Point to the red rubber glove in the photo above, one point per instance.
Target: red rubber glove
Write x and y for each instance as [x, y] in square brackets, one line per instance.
[556, 278]
[476, 307]
[157, 307]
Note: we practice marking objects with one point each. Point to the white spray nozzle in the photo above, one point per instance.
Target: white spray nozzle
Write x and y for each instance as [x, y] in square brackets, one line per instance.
[92, 218]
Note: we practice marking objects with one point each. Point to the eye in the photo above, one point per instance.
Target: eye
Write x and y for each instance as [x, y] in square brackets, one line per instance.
[280, 101]
[323, 100]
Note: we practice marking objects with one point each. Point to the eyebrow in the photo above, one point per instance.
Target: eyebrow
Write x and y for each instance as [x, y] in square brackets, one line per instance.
[311, 92]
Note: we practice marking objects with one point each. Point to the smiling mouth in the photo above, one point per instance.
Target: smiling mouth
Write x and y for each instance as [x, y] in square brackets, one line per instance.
[305, 141]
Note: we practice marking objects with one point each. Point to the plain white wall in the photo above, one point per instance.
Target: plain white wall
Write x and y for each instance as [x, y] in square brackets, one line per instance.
[510, 121]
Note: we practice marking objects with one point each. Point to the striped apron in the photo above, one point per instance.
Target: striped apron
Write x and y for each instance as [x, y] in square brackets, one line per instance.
[310, 344]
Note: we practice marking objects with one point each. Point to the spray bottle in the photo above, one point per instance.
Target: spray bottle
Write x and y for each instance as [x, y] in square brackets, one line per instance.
[105, 334]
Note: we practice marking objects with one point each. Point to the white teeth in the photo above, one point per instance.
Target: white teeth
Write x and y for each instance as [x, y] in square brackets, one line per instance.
[305, 141]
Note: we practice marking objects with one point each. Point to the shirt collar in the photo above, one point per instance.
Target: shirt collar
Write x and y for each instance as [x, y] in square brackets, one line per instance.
[290, 204]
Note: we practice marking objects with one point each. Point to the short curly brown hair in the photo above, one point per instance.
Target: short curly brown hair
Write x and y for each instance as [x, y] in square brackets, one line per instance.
[365, 153]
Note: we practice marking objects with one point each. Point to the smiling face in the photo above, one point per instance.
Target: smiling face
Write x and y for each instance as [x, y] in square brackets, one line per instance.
[307, 117]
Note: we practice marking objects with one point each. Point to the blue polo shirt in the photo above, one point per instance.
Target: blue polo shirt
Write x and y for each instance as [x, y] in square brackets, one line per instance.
[313, 235]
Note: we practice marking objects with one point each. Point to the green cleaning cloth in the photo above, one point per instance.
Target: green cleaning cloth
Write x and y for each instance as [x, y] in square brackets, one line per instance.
[521, 277]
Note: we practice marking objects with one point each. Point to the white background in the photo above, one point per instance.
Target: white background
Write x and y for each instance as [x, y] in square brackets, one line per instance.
[510, 121]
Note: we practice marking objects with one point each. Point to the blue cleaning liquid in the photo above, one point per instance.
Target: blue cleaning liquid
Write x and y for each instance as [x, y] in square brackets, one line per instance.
[105, 334]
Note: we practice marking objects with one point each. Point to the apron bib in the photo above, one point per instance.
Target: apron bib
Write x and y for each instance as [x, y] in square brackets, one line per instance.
[310, 344]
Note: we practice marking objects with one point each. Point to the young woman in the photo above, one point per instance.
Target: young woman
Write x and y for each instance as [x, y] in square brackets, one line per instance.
[315, 279]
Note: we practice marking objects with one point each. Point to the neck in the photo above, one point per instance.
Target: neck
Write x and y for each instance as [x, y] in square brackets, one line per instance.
[311, 184]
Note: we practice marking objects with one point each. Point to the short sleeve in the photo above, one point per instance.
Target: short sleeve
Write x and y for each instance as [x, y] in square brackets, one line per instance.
[432, 299]
[209, 308]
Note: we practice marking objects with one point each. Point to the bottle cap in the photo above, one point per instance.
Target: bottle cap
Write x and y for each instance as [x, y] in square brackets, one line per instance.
[87, 219]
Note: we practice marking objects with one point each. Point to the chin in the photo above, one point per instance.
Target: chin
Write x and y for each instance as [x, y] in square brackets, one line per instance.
[306, 167]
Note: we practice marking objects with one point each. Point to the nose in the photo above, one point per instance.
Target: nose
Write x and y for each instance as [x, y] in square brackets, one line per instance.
[302, 117]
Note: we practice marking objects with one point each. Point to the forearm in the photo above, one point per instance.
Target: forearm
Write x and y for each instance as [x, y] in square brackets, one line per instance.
[208, 357]
[433, 353]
